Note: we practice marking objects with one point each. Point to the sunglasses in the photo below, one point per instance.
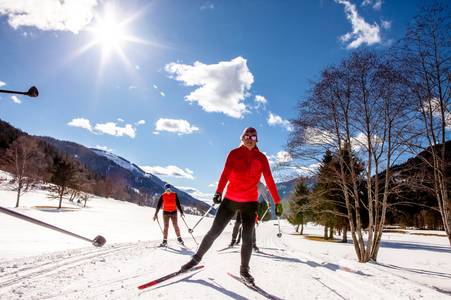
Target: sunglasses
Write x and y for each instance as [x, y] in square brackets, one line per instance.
[251, 137]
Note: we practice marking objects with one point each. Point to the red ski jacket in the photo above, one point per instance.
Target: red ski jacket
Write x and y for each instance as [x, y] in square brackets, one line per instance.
[243, 170]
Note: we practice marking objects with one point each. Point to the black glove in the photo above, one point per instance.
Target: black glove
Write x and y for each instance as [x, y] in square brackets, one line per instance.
[217, 198]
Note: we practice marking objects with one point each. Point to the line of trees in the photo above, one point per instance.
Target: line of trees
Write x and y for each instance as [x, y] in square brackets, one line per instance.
[371, 110]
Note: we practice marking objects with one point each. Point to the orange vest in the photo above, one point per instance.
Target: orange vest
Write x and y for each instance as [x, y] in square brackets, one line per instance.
[169, 203]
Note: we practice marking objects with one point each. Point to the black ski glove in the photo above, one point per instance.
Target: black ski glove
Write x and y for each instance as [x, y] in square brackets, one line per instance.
[217, 198]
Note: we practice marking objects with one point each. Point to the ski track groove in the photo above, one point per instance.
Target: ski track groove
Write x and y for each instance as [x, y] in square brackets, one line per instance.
[58, 266]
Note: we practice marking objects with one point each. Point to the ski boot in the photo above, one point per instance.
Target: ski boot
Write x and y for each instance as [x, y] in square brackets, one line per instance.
[256, 249]
[179, 239]
[232, 243]
[192, 263]
[164, 243]
[245, 276]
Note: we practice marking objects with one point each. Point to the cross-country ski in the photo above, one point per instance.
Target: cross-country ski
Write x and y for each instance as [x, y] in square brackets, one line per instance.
[167, 277]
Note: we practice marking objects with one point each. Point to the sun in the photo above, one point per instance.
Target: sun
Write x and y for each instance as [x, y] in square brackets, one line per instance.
[110, 33]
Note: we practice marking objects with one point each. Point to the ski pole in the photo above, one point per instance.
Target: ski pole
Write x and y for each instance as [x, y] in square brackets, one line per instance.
[98, 241]
[183, 218]
[159, 225]
[278, 224]
[32, 92]
[263, 216]
[195, 225]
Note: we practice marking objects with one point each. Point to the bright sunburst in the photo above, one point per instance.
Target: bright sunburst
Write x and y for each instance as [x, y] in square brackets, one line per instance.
[110, 33]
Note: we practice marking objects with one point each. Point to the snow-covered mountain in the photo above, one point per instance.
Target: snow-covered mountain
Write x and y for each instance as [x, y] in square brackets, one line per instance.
[107, 164]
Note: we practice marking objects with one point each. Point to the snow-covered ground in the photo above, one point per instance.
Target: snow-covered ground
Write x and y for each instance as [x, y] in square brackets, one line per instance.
[37, 263]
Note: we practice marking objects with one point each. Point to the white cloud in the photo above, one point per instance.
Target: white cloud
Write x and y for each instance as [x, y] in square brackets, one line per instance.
[155, 86]
[207, 5]
[170, 171]
[281, 157]
[362, 32]
[132, 87]
[111, 128]
[2, 83]
[104, 148]
[274, 120]
[68, 15]
[141, 122]
[376, 4]
[162, 94]
[213, 184]
[120, 120]
[81, 123]
[260, 102]
[16, 99]
[386, 24]
[206, 197]
[222, 86]
[435, 107]
[175, 125]
[315, 136]
[137, 67]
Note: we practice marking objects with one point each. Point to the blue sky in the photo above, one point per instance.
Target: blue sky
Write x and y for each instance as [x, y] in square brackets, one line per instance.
[169, 85]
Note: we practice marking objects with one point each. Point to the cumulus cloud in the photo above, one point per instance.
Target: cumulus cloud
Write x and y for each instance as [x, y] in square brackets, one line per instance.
[275, 120]
[81, 123]
[16, 99]
[206, 197]
[110, 128]
[434, 106]
[281, 157]
[362, 32]
[175, 126]
[315, 136]
[141, 122]
[170, 171]
[68, 15]
[2, 83]
[222, 87]
[260, 102]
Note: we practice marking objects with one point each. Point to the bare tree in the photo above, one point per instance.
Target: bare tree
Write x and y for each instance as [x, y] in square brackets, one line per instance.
[25, 160]
[357, 108]
[424, 55]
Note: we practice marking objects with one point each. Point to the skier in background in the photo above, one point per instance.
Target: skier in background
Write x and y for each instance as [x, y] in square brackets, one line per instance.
[170, 202]
[242, 171]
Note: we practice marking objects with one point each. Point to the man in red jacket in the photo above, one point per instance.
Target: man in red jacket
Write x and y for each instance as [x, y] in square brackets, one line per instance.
[242, 171]
[170, 202]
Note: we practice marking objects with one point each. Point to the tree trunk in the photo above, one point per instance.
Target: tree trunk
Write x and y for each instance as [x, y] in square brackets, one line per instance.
[18, 196]
[325, 232]
[331, 232]
[344, 239]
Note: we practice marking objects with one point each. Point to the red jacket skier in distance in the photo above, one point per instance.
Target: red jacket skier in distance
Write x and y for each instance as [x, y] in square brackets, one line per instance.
[243, 170]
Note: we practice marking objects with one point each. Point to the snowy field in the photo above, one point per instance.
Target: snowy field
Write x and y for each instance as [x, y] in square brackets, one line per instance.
[37, 263]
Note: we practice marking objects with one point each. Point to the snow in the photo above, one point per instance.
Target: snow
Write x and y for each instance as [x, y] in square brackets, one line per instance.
[118, 160]
[38, 263]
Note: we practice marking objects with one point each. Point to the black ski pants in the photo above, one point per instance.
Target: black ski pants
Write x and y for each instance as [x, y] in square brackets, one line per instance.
[225, 213]
[237, 231]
